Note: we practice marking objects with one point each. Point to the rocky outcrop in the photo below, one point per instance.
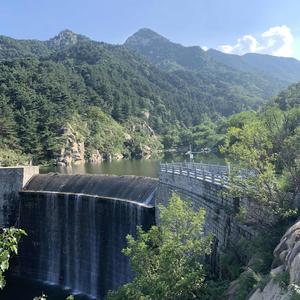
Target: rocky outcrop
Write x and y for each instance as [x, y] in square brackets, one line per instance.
[286, 264]
[141, 142]
[72, 151]
[109, 141]
[96, 157]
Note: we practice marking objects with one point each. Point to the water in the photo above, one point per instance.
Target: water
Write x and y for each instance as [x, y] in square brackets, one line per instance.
[25, 289]
[75, 240]
[148, 168]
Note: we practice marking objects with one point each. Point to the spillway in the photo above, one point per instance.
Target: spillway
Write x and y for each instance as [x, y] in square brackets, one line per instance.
[77, 227]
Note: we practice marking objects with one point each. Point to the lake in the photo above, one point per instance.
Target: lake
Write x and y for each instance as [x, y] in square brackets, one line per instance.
[143, 167]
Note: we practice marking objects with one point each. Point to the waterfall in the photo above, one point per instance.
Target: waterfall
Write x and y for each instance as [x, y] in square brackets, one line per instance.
[75, 240]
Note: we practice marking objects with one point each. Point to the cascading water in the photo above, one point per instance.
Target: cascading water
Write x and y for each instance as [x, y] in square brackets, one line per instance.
[75, 240]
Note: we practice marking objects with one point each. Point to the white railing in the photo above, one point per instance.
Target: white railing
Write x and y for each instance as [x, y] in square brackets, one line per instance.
[216, 174]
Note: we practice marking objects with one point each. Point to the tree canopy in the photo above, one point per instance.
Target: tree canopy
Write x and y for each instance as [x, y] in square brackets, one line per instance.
[168, 259]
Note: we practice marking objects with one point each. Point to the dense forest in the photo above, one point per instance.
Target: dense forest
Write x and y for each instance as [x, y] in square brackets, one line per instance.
[116, 99]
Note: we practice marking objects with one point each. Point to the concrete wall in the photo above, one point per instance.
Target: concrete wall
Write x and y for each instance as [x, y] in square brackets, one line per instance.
[12, 180]
[220, 209]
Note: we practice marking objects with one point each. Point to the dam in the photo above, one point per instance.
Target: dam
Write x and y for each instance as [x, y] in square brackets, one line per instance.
[77, 224]
[77, 227]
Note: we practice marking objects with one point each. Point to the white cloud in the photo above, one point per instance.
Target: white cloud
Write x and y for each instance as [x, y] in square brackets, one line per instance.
[204, 48]
[277, 41]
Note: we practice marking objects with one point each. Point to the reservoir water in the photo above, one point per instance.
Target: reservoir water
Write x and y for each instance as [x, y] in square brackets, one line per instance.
[143, 167]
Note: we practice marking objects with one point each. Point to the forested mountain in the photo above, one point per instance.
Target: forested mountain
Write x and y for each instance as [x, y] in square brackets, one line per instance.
[216, 67]
[289, 98]
[106, 96]
[11, 48]
[281, 68]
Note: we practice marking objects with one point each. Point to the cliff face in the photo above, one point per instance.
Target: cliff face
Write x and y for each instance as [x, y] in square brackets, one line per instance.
[72, 151]
[107, 140]
[285, 274]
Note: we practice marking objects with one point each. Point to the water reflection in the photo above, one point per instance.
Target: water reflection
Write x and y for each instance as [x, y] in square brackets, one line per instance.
[143, 167]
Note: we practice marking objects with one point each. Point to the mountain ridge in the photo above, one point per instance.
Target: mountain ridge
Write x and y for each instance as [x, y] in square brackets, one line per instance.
[46, 86]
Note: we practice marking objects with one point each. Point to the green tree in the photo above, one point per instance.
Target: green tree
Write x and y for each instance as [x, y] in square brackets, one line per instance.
[168, 259]
[265, 152]
[9, 239]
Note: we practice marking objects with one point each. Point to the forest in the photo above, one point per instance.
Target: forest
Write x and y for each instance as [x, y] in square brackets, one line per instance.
[48, 87]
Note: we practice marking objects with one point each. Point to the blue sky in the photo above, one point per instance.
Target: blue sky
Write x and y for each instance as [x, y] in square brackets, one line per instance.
[233, 26]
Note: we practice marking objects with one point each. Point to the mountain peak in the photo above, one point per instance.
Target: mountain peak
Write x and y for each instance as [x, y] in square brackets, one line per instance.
[145, 36]
[64, 38]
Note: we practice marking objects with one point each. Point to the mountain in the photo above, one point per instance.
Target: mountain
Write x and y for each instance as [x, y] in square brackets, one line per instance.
[164, 53]
[12, 49]
[64, 39]
[202, 68]
[282, 68]
[59, 95]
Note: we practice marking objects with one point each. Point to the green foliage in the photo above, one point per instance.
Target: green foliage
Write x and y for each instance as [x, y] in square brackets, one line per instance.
[266, 146]
[225, 88]
[246, 283]
[168, 259]
[12, 158]
[105, 134]
[294, 292]
[271, 67]
[207, 134]
[44, 85]
[9, 239]
[283, 279]
[214, 289]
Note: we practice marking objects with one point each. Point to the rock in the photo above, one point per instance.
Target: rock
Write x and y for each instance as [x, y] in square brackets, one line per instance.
[232, 290]
[96, 157]
[72, 151]
[118, 156]
[286, 259]
[272, 291]
[107, 156]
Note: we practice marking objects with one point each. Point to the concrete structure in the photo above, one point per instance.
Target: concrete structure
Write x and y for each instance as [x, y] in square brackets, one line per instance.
[205, 186]
[12, 180]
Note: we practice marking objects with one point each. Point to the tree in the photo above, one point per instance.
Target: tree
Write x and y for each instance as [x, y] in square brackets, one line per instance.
[265, 152]
[168, 259]
[9, 239]
[8, 135]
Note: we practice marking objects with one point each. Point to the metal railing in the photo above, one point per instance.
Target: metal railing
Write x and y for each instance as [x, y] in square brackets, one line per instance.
[216, 174]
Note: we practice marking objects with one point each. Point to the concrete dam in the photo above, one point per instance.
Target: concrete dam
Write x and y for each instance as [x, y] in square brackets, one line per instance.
[77, 227]
[77, 224]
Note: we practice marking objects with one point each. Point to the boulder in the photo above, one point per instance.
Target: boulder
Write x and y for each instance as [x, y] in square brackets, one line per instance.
[286, 259]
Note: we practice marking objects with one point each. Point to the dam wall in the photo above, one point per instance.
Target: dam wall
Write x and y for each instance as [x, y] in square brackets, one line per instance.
[12, 180]
[203, 192]
[77, 227]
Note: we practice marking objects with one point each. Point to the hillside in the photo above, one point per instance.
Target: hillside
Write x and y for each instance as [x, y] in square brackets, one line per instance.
[59, 95]
[218, 68]
[284, 69]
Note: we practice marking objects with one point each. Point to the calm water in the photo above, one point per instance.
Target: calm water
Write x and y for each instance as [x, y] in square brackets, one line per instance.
[148, 168]
[25, 289]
